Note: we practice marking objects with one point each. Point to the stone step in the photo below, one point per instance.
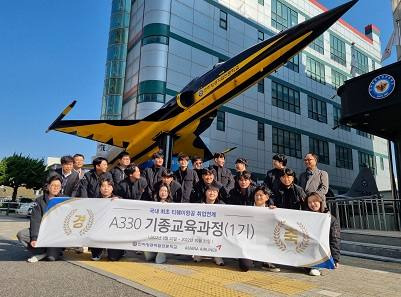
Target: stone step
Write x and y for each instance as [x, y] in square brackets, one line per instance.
[370, 257]
[382, 250]
[374, 237]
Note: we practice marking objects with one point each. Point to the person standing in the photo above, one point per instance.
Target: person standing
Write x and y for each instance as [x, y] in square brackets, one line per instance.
[70, 178]
[134, 186]
[154, 174]
[197, 164]
[174, 187]
[208, 179]
[79, 160]
[289, 195]
[221, 173]
[314, 180]
[272, 179]
[118, 172]
[186, 177]
[89, 185]
[242, 194]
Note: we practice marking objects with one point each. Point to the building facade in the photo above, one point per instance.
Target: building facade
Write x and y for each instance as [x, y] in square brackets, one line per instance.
[292, 111]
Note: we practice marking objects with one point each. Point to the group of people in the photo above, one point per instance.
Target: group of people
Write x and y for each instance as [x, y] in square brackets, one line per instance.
[214, 184]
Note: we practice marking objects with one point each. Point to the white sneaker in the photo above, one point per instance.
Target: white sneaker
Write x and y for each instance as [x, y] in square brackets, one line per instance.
[36, 258]
[314, 272]
[219, 261]
[197, 258]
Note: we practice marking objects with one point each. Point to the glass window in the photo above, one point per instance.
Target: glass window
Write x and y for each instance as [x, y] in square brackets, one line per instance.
[337, 50]
[118, 36]
[373, 65]
[285, 98]
[261, 36]
[336, 117]
[364, 134]
[367, 160]
[221, 121]
[261, 131]
[151, 97]
[286, 142]
[359, 62]
[337, 79]
[283, 17]
[155, 39]
[318, 44]
[381, 163]
[317, 109]
[261, 2]
[223, 20]
[344, 157]
[115, 68]
[261, 86]
[293, 63]
[114, 86]
[315, 70]
[321, 148]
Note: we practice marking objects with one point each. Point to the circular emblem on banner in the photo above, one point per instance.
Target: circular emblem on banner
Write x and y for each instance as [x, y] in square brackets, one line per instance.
[381, 86]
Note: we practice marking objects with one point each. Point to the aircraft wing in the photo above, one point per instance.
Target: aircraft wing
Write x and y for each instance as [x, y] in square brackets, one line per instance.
[114, 132]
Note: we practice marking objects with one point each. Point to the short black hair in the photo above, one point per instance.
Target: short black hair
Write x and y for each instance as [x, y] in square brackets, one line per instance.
[281, 158]
[182, 156]
[66, 160]
[167, 173]
[206, 171]
[108, 180]
[245, 175]
[54, 177]
[212, 187]
[158, 155]
[130, 169]
[264, 189]
[98, 161]
[196, 158]
[78, 155]
[242, 160]
[287, 171]
[219, 155]
[123, 154]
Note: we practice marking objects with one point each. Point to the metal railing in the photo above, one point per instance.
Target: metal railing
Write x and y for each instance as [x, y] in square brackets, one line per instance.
[373, 213]
[9, 206]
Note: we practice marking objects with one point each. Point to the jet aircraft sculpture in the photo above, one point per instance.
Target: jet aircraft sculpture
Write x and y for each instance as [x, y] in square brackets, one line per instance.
[176, 126]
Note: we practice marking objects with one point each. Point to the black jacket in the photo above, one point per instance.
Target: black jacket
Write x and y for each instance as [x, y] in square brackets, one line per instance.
[175, 189]
[137, 190]
[223, 176]
[335, 239]
[89, 184]
[37, 214]
[272, 179]
[199, 173]
[187, 179]
[118, 175]
[198, 192]
[291, 198]
[236, 197]
[70, 185]
[152, 176]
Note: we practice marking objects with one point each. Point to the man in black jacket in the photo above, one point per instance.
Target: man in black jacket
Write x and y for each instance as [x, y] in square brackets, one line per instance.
[289, 195]
[154, 174]
[28, 237]
[175, 187]
[118, 172]
[89, 185]
[186, 177]
[197, 164]
[134, 186]
[272, 180]
[242, 194]
[222, 174]
[70, 178]
[198, 192]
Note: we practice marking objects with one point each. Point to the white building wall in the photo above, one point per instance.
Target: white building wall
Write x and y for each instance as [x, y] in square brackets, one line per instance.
[196, 42]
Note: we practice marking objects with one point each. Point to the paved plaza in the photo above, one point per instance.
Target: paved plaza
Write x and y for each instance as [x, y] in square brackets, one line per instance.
[132, 276]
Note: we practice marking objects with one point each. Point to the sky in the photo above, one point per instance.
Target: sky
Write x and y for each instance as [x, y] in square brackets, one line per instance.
[53, 52]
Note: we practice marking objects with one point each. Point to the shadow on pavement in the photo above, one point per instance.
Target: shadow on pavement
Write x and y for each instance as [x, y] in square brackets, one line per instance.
[11, 250]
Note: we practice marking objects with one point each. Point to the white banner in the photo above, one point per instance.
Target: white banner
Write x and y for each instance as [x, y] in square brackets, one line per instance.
[282, 236]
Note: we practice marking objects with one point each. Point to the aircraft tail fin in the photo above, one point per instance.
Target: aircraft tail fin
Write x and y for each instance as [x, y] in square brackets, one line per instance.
[363, 185]
[62, 115]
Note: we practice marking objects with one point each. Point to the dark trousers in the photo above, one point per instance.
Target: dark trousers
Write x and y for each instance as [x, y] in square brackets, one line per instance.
[25, 239]
[113, 255]
[245, 264]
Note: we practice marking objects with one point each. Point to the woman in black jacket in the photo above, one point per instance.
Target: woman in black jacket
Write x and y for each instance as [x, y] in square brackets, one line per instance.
[28, 237]
[315, 203]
